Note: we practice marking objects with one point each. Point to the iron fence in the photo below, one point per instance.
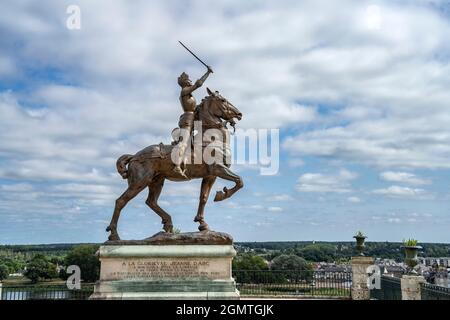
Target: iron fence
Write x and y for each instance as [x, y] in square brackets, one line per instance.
[293, 283]
[434, 292]
[390, 289]
[46, 292]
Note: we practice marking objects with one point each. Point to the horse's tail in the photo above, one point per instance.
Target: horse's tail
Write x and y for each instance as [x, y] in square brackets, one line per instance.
[121, 165]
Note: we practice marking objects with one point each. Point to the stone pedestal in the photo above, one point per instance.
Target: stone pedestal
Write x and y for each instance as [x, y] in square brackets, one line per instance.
[166, 270]
[360, 290]
[410, 285]
[441, 279]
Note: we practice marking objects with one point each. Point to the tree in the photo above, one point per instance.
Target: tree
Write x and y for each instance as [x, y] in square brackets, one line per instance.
[289, 262]
[57, 260]
[4, 272]
[249, 262]
[290, 268]
[318, 252]
[84, 257]
[249, 268]
[40, 268]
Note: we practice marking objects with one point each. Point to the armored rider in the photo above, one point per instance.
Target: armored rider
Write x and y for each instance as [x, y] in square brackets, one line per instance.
[186, 122]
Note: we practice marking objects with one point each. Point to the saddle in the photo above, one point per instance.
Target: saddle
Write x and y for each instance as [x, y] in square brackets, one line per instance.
[164, 151]
[161, 151]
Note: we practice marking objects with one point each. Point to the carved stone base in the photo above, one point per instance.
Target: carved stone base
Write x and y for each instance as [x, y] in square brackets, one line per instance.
[166, 272]
[166, 290]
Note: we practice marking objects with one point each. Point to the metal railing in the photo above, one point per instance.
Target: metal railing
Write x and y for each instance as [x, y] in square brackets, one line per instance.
[390, 289]
[293, 283]
[434, 292]
[46, 292]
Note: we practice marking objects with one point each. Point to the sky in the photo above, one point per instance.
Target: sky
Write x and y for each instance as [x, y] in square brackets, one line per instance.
[359, 91]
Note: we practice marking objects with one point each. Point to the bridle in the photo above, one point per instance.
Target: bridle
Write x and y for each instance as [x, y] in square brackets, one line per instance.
[226, 110]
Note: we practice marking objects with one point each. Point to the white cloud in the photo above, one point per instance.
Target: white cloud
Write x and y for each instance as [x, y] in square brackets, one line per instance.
[318, 182]
[295, 162]
[84, 188]
[7, 66]
[394, 220]
[396, 141]
[164, 203]
[186, 189]
[403, 177]
[16, 187]
[282, 113]
[391, 116]
[280, 197]
[397, 191]
[274, 209]
[354, 199]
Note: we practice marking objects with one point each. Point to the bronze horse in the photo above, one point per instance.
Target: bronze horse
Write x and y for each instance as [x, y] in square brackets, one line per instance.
[151, 166]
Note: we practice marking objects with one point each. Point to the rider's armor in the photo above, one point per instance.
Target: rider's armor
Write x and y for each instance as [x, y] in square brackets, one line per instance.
[186, 121]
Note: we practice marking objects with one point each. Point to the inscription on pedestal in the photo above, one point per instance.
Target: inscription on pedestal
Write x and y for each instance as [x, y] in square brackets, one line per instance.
[166, 272]
[116, 269]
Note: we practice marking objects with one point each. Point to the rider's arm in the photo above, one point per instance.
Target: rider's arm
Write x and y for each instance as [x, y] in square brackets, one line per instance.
[197, 83]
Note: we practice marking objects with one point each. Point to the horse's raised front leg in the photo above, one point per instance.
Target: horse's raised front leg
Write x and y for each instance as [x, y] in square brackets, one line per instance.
[154, 191]
[121, 202]
[225, 173]
[207, 184]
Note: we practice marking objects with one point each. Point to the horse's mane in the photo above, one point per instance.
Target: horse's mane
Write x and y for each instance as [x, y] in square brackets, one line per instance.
[207, 98]
[201, 105]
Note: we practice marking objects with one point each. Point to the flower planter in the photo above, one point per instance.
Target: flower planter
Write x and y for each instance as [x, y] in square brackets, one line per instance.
[360, 244]
[411, 259]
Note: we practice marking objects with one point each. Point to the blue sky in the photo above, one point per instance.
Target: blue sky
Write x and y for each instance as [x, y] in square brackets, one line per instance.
[358, 90]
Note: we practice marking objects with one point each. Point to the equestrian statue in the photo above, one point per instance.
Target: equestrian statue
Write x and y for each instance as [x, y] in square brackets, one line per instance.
[204, 154]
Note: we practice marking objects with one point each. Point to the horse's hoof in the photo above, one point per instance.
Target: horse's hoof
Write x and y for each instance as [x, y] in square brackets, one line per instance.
[203, 227]
[219, 196]
[113, 237]
[168, 228]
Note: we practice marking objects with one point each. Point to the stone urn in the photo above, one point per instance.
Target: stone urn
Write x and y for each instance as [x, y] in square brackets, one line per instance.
[411, 259]
[360, 238]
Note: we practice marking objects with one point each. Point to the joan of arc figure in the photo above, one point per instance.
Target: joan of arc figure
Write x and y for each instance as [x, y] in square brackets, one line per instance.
[186, 122]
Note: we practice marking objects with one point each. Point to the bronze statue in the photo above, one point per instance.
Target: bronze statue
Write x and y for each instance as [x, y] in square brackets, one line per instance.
[150, 167]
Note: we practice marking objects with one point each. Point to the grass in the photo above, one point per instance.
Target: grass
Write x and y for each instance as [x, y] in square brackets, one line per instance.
[410, 243]
[13, 281]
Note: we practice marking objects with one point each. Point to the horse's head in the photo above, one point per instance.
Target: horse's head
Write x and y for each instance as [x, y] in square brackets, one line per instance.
[221, 107]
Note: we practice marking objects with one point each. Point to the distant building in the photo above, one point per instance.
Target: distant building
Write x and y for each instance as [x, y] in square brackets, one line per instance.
[332, 267]
[17, 274]
[392, 271]
[430, 261]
